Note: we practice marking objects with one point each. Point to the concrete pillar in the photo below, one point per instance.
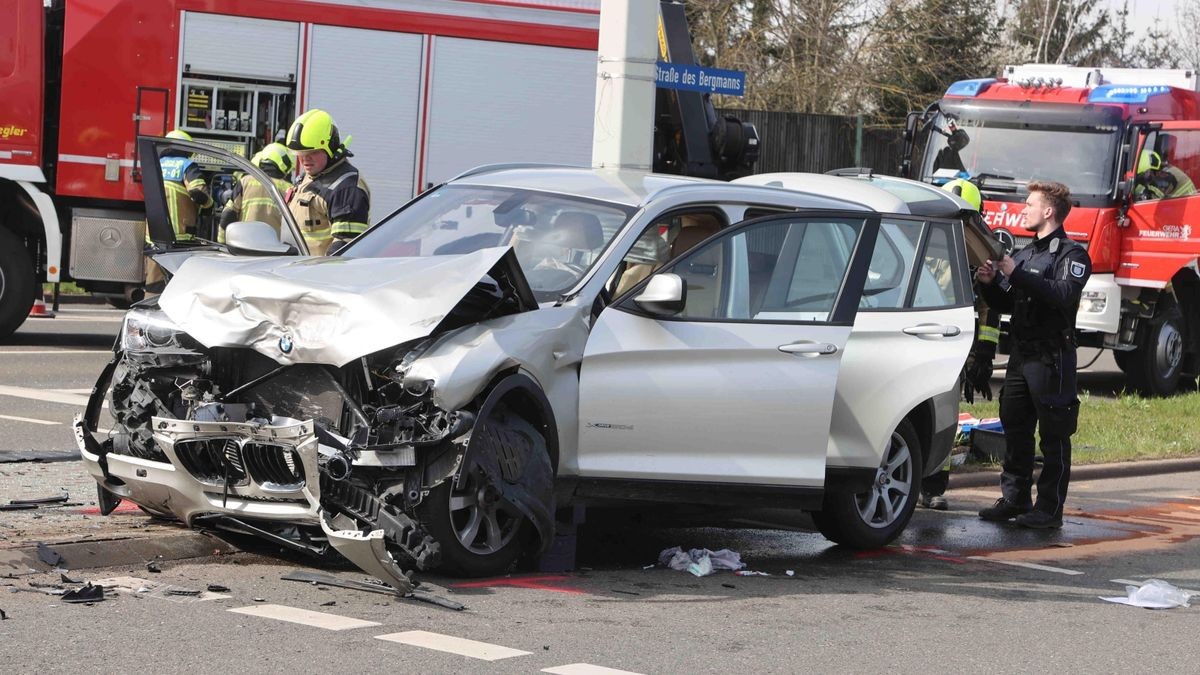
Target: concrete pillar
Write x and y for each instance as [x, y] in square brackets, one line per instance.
[623, 134]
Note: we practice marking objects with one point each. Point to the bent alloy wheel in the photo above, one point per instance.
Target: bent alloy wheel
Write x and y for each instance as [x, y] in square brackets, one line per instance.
[483, 521]
[481, 533]
[875, 517]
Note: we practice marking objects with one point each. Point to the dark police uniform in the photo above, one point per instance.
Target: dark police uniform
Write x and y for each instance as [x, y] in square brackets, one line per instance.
[1042, 295]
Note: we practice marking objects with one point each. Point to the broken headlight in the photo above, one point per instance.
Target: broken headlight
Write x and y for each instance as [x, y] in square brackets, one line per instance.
[151, 329]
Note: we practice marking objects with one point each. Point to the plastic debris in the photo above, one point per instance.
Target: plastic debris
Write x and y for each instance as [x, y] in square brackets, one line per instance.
[700, 561]
[218, 588]
[189, 592]
[153, 567]
[3, 616]
[790, 573]
[67, 580]
[48, 555]
[331, 603]
[88, 593]
[1153, 594]
[37, 502]
[751, 573]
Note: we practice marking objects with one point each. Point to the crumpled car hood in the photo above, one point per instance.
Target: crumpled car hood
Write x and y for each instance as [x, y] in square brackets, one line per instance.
[328, 310]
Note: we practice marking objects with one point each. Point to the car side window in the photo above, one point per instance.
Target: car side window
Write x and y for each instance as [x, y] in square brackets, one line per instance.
[785, 269]
[939, 281]
[892, 264]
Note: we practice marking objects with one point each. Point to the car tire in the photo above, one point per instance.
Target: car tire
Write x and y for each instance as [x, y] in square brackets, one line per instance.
[16, 283]
[480, 533]
[862, 520]
[1155, 367]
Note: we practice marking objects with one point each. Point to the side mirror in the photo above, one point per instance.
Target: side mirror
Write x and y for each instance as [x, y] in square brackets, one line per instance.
[255, 238]
[666, 295]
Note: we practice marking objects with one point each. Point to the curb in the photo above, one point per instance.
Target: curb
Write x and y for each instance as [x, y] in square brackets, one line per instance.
[82, 555]
[1083, 472]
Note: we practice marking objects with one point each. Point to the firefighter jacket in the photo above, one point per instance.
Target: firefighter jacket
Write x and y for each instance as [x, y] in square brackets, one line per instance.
[1042, 293]
[252, 201]
[1166, 183]
[333, 203]
[186, 193]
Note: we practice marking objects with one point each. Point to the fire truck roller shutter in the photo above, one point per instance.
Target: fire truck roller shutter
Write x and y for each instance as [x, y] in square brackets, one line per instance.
[241, 47]
[370, 81]
[498, 102]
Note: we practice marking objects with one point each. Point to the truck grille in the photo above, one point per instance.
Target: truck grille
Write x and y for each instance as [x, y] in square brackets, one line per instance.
[275, 465]
[211, 460]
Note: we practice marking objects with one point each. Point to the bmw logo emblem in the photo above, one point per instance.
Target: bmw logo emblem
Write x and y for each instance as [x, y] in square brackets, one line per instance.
[285, 344]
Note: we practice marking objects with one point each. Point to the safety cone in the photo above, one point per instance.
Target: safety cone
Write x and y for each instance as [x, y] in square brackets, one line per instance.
[39, 311]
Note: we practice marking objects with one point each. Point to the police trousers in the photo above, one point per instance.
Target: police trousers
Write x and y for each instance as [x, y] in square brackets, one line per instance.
[1039, 392]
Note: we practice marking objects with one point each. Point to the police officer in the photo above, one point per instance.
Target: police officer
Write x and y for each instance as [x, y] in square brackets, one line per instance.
[1040, 286]
[186, 194]
[332, 202]
[251, 199]
[977, 371]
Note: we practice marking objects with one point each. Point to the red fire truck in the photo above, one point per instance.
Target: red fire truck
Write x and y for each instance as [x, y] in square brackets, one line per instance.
[426, 88]
[1140, 222]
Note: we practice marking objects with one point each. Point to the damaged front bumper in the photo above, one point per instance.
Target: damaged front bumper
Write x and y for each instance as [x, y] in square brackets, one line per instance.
[234, 473]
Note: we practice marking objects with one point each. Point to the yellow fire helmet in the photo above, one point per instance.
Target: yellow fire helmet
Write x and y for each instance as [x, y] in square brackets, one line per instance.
[275, 155]
[316, 130]
[1149, 161]
[967, 190]
[178, 134]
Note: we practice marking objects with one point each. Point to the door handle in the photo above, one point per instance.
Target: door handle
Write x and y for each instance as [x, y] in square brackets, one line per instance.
[809, 349]
[932, 330]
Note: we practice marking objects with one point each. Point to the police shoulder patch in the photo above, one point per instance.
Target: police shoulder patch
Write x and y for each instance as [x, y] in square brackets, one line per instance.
[1077, 269]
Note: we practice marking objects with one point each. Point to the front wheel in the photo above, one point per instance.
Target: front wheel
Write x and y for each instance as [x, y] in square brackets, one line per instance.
[481, 533]
[874, 518]
[1155, 367]
[17, 283]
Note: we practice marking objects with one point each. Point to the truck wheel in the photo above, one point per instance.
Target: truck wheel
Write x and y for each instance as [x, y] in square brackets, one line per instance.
[481, 534]
[16, 283]
[1157, 363]
[874, 518]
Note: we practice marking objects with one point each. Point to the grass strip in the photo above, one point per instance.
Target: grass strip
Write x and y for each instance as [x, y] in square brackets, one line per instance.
[1127, 428]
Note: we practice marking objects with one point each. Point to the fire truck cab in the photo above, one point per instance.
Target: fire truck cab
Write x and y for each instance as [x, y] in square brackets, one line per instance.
[1127, 143]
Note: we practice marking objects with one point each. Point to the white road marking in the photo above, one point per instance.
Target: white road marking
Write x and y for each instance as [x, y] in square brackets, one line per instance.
[304, 617]
[586, 669]
[43, 352]
[88, 390]
[47, 395]
[93, 319]
[1027, 565]
[452, 645]
[27, 419]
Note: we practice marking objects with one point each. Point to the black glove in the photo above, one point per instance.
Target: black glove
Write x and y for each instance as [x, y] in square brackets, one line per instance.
[977, 375]
[968, 392]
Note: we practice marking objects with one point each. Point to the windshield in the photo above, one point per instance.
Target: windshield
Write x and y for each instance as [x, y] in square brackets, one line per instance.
[556, 237]
[1082, 157]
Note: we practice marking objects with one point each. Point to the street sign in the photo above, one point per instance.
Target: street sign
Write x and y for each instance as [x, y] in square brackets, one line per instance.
[700, 78]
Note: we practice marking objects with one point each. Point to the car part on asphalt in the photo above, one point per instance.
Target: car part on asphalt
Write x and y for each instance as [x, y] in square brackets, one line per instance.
[88, 593]
[49, 556]
[330, 580]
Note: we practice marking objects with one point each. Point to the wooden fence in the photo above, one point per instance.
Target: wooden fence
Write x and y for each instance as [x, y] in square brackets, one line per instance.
[819, 143]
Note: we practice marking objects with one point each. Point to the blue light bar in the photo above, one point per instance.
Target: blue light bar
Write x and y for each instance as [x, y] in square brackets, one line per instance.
[969, 87]
[1125, 93]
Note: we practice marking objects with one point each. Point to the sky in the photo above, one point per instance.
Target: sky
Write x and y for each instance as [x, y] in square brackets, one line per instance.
[1143, 12]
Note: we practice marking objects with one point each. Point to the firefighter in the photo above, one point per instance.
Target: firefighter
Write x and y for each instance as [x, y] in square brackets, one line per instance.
[332, 202]
[977, 371]
[186, 194]
[251, 199]
[1157, 179]
[186, 190]
[1040, 287]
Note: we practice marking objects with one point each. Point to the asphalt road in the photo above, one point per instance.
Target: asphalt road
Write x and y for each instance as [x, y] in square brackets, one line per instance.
[953, 594]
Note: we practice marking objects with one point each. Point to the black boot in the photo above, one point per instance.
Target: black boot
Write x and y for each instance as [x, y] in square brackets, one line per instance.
[1004, 510]
[1039, 520]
